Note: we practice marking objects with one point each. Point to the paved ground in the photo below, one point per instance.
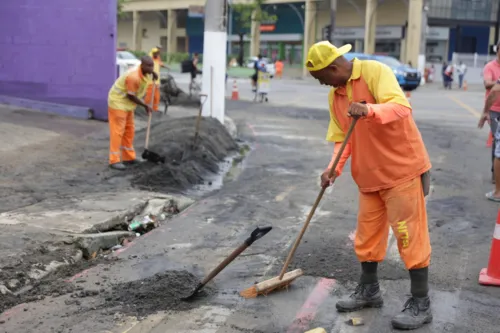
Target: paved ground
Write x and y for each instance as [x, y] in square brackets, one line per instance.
[276, 185]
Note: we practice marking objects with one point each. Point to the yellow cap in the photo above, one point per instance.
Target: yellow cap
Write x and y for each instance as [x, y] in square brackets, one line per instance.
[154, 50]
[322, 54]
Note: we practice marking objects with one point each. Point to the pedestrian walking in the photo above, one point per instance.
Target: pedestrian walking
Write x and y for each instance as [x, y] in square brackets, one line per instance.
[123, 98]
[279, 65]
[448, 75]
[391, 178]
[461, 71]
[491, 73]
[492, 117]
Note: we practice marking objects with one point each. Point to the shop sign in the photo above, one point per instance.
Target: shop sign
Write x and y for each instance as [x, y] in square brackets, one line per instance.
[438, 33]
[268, 25]
[388, 32]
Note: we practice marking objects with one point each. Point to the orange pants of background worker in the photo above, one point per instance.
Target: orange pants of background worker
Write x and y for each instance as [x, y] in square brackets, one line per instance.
[121, 131]
[149, 94]
[402, 208]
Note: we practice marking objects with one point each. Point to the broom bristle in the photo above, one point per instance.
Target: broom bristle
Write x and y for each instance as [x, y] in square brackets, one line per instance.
[249, 293]
[252, 292]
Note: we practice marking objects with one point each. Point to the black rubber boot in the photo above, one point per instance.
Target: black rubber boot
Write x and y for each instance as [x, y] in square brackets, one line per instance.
[367, 293]
[417, 309]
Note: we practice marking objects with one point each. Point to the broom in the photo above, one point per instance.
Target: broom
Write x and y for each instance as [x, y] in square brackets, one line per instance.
[285, 279]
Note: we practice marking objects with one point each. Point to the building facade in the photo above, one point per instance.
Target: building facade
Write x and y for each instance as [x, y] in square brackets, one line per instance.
[64, 65]
[467, 26]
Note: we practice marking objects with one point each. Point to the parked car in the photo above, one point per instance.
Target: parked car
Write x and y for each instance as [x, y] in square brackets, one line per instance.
[126, 60]
[408, 77]
[270, 68]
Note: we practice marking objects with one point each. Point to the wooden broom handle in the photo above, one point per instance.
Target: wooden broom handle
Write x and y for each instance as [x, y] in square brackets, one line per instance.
[146, 145]
[318, 199]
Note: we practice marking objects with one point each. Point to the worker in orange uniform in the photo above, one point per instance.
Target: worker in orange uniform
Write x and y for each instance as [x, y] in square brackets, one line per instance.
[158, 64]
[390, 165]
[124, 96]
[279, 68]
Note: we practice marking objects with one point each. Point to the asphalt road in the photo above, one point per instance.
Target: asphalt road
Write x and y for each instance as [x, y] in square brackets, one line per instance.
[276, 185]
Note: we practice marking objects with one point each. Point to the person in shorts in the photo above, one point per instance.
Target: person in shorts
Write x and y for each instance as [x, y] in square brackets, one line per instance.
[493, 117]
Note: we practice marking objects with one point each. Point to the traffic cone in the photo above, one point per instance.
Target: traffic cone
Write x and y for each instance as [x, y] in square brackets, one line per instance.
[408, 96]
[235, 95]
[489, 142]
[465, 85]
[491, 274]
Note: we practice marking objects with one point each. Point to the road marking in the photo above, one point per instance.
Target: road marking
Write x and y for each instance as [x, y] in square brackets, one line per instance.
[309, 309]
[285, 193]
[465, 106]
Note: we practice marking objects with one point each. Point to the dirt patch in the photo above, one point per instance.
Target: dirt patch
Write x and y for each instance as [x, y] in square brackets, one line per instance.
[160, 292]
[53, 285]
[186, 165]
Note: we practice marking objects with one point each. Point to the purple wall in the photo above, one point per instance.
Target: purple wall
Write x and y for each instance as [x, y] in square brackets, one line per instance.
[59, 51]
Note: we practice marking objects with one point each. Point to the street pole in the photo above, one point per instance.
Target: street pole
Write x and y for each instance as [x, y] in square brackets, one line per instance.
[423, 40]
[230, 27]
[214, 58]
[333, 16]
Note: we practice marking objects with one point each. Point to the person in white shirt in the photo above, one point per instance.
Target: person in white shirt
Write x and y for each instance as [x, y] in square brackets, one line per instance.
[461, 70]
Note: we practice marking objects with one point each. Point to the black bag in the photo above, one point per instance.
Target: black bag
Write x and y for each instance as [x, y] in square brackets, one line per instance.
[187, 66]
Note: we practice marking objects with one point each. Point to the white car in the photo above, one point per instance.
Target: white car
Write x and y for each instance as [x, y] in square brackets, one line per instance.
[126, 60]
[269, 65]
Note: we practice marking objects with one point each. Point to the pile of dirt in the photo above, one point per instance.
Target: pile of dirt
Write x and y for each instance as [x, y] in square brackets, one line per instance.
[160, 292]
[186, 164]
[53, 285]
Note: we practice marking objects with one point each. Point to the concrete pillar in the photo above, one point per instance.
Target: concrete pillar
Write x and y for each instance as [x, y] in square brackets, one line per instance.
[333, 19]
[255, 36]
[414, 31]
[214, 59]
[370, 26]
[309, 32]
[136, 31]
[171, 31]
[358, 46]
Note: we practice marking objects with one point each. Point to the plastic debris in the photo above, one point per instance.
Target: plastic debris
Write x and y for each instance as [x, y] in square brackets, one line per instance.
[144, 224]
[355, 322]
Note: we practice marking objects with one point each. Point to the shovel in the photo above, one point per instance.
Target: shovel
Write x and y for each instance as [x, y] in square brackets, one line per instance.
[147, 154]
[198, 119]
[256, 234]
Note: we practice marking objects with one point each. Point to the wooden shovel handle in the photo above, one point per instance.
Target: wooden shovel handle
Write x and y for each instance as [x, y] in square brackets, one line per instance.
[146, 145]
[318, 199]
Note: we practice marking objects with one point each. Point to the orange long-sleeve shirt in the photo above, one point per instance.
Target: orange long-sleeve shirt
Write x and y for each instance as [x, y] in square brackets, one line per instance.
[386, 146]
[382, 114]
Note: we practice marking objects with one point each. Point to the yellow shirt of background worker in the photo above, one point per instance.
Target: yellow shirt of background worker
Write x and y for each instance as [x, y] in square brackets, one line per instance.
[158, 65]
[123, 98]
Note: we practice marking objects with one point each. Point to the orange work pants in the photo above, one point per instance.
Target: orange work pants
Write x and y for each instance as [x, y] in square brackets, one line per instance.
[402, 208]
[149, 94]
[121, 135]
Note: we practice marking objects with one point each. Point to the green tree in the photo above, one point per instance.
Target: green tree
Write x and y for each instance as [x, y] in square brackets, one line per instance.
[243, 18]
[119, 5]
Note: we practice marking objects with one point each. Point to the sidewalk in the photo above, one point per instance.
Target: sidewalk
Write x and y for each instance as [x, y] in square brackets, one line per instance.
[61, 203]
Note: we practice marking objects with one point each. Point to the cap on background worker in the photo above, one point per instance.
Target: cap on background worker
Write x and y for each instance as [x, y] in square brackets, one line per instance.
[123, 98]
[389, 164]
[158, 64]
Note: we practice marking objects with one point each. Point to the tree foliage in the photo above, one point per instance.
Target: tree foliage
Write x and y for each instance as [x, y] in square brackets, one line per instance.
[119, 5]
[245, 14]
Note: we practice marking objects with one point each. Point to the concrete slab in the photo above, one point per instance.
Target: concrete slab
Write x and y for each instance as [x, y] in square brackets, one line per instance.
[89, 213]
